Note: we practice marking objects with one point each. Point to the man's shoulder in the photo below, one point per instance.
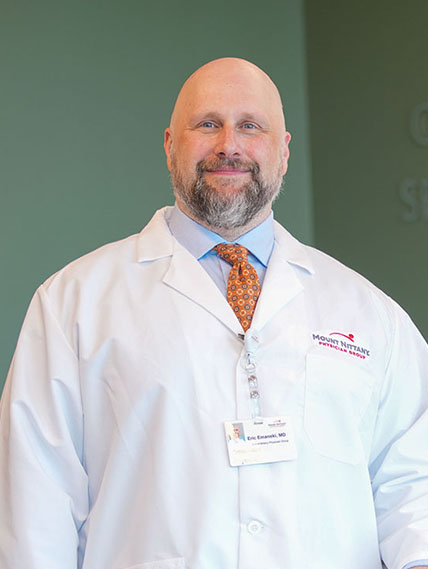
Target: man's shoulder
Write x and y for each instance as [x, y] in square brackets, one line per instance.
[113, 258]
[326, 272]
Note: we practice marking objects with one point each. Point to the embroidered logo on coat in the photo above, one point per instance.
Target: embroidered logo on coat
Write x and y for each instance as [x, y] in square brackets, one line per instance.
[346, 343]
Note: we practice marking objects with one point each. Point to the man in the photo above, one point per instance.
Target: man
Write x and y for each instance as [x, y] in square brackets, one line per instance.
[134, 361]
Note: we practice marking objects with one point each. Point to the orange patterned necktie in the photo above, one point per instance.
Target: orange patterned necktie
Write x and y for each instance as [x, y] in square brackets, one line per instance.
[243, 286]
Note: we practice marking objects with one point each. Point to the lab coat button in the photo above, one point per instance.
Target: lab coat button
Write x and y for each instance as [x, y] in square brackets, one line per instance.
[254, 527]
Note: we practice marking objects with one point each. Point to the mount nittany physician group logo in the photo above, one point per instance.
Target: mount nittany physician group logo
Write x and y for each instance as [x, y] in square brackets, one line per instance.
[341, 342]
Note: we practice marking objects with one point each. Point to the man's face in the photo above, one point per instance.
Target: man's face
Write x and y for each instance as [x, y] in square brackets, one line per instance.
[236, 433]
[227, 147]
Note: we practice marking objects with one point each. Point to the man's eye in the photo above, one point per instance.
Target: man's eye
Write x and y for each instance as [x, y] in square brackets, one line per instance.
[249, 125]
[207, 124]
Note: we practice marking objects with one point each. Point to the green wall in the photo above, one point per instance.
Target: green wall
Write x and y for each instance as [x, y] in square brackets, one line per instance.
[367, 72]
[86, 91]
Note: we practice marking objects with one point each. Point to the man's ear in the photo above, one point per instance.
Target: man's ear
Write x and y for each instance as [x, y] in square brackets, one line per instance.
[286, 153]
[167, 142]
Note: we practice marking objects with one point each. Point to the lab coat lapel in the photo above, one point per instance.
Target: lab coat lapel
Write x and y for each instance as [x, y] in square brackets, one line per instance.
[281, 283]
[184, 273]
[187, 277]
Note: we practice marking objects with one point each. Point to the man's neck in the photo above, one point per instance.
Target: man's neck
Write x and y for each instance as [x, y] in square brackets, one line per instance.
[230, 234]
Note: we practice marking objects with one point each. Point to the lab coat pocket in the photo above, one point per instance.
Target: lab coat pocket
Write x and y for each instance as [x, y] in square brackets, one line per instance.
[176, 563]
[337, 395]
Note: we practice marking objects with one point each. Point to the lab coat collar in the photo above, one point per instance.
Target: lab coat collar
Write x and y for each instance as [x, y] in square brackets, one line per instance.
[185, 274]
[281, 284]
[291, 249]
[155, 240]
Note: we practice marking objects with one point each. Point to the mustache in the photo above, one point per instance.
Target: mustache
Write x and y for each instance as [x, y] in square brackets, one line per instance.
[208, 165]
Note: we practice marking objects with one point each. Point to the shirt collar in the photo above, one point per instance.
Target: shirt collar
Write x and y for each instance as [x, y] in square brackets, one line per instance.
[199, 240]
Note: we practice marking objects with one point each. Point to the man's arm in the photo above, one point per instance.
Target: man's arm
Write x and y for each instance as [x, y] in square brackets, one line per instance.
[399, 459]
[43, 485]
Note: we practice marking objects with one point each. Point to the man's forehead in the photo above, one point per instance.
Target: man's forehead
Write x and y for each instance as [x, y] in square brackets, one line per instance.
[233, 83]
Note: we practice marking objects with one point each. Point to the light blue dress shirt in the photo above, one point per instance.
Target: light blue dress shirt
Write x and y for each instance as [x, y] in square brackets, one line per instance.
[199, 241]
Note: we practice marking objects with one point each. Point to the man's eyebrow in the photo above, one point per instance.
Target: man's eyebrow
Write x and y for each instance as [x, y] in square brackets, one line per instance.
[254, 117]
[250, 116]
[208, 115]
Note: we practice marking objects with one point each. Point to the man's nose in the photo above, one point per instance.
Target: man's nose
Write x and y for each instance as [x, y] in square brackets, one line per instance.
[227, 144]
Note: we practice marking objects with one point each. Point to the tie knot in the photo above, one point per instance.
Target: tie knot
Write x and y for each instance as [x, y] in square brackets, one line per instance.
[232, 253]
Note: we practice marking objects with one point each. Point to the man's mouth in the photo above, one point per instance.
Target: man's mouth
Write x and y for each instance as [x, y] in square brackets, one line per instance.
[227, 171]
[226, 167]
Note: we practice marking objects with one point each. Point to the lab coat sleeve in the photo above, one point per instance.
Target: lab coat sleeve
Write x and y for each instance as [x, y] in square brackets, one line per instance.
[399, 461]
[43, 483]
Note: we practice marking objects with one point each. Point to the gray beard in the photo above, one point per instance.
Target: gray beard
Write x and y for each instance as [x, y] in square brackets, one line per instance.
[225, 211]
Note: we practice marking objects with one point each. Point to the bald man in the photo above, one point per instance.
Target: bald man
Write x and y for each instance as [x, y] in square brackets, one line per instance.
[227, 147]
[210, 393]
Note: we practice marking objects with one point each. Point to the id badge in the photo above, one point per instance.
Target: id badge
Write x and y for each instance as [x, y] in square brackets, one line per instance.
[270, 439]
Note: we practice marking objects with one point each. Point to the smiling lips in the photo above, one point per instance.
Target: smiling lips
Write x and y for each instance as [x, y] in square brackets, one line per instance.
[224, 171]
[227, 167]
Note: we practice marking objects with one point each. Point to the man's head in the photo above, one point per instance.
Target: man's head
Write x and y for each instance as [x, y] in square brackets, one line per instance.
[227, 146]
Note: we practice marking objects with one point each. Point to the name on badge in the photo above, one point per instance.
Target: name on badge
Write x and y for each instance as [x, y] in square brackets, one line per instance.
[269, 439]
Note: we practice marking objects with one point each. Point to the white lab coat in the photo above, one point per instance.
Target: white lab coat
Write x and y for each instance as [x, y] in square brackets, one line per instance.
[113, 454]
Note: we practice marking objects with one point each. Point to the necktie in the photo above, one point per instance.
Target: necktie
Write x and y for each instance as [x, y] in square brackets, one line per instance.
[243, 286]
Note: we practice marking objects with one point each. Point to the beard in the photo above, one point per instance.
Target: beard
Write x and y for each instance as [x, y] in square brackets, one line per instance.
[229, 209]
